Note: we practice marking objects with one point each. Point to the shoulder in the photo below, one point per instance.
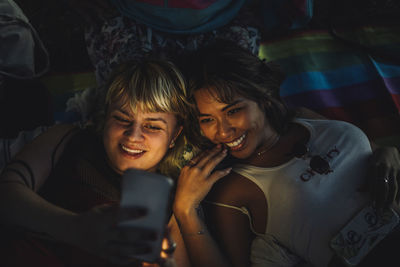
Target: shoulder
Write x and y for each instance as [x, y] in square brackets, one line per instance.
[59, 130]
[305, 113]
[235, 190]
[52, 139]
[57, 133]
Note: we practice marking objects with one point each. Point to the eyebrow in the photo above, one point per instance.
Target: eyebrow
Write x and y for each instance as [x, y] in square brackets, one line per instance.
[224, 108]
[156, 119]
[147, 119]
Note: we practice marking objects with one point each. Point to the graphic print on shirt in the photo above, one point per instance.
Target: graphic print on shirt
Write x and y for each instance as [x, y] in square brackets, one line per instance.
[311, 171]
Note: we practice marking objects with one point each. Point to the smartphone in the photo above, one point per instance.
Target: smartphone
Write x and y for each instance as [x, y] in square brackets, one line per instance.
[152, 191]
[362, 234]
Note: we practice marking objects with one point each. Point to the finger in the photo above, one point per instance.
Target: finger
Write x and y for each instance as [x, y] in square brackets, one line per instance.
[129, 234]
[197, 158]
[210, 154]
[107, 208]
[131, 212]
[108, 212]
[219, 174]
[168, 247]
[214, 161]
[392, 190]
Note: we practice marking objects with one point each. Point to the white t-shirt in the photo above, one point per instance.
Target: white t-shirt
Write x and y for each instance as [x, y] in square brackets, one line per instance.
[306, 209]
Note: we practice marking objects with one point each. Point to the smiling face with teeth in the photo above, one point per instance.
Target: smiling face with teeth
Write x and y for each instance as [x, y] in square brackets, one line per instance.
[137, 140]
[241, 125]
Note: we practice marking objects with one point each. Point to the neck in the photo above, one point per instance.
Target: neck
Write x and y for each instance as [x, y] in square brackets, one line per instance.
[263, 157]
[270, 144]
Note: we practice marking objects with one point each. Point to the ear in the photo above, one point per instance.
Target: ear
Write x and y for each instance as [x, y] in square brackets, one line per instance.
[178, 132]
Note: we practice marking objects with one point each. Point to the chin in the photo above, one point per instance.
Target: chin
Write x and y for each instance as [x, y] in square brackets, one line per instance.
[241, 154]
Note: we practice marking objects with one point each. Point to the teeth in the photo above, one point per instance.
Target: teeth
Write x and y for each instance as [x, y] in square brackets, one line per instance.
[237, 141]
[131, 150]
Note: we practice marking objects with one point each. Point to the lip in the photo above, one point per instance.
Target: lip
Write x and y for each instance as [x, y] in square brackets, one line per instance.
[131, 152]
[238, 143]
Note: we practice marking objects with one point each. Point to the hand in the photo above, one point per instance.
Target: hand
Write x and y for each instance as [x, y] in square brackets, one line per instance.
[385, 164]
[166, 256]
[197, 178]
[96, 231]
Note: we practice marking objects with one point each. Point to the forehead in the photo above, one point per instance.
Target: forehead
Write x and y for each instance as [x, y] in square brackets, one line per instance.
[141, 112]
[208, 98]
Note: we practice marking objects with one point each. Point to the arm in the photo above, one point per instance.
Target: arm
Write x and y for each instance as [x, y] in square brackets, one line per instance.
[228, 237]
[92, 231]
[232, 225]
[231, 230]
[19, 203]
[194, 183]
[180, 255]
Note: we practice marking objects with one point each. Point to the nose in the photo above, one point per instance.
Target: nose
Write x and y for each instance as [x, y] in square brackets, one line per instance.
[134, 133]
[224, 129]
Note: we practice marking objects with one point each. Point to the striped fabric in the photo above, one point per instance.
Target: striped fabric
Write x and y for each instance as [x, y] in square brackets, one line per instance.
[341, 81]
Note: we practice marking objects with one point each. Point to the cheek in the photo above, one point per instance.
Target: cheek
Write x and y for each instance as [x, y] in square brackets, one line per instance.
[206, 131]
[110, 133]
[160, 141]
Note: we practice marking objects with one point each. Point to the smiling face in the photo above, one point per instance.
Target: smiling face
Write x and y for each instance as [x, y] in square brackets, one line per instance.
[241, 125]
[138, 140]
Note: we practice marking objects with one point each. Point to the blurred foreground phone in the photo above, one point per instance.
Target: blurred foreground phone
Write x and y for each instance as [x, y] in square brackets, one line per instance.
[362, 234]
[152, 191]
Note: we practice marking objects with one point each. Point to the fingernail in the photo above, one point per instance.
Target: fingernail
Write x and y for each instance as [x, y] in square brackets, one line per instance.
[228, 170]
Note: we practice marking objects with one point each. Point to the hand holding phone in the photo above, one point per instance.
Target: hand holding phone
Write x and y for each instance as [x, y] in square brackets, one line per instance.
[152, 192]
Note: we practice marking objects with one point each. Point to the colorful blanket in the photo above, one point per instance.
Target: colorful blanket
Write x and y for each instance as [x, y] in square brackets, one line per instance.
[346, 80]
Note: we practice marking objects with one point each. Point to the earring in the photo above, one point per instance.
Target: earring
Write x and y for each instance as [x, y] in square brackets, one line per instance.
[172, 144]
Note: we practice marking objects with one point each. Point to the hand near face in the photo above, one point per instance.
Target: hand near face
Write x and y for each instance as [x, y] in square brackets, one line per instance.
[384, 175]
[96, 231]
[197, 178]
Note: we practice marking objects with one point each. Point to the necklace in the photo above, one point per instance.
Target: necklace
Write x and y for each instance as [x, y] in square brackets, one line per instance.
[277, 137]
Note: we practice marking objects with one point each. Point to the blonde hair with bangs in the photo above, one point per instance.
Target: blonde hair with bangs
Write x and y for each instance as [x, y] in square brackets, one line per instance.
[153, 86]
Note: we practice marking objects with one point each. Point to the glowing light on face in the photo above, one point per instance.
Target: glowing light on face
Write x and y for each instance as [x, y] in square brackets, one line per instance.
[138, 140]
[240, 125]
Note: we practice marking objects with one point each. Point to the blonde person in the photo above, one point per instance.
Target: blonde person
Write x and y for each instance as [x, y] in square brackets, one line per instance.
[297, 178]
[59, 194]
